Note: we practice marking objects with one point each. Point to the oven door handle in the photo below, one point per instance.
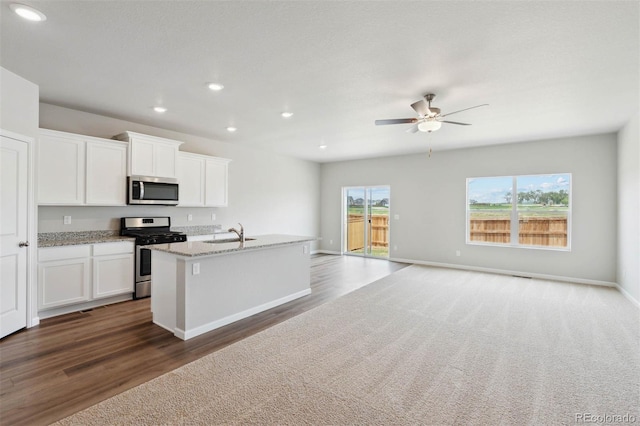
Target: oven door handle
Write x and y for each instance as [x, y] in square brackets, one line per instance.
[142, 190]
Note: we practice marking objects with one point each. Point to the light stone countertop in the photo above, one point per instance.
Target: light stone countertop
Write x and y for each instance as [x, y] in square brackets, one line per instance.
[201, 248]
[56, 239]
[195, 230]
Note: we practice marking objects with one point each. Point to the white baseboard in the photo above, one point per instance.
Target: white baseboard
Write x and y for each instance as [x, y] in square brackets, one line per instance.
[508, 272]
[627, 295]
[84, 306]
[34, 321]
[328, 252]
[193, 332]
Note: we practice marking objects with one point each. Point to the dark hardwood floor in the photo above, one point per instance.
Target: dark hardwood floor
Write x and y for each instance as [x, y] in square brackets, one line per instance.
[71, 362]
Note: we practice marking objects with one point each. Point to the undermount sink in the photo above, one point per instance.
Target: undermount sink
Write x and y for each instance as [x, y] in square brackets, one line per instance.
[228, 240]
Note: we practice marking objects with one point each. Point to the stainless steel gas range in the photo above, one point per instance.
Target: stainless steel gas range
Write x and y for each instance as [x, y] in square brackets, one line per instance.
[147, 231]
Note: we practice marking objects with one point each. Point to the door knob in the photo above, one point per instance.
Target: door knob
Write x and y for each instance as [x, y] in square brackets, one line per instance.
[23, 244]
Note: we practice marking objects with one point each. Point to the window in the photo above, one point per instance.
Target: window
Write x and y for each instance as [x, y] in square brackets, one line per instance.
[539, 215]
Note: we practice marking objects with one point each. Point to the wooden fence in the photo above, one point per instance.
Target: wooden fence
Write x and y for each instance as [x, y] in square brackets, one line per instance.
[539, 231]
[379, 234]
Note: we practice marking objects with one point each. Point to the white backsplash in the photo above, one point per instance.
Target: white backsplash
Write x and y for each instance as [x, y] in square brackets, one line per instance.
[50, 219]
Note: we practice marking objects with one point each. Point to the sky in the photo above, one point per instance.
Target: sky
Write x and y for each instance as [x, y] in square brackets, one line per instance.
[494, 189]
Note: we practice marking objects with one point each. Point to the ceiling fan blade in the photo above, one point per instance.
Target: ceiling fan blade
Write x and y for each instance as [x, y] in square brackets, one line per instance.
[454, 122]
[396, 121]
[421, 108]
[455, 112]
[413, 129]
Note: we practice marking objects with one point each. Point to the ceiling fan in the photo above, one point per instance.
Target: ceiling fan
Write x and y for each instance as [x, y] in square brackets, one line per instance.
[430, 119]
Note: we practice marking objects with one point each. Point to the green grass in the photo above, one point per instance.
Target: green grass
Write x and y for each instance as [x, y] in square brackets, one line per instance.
[503, 211]
[527, 207]
[374, 210]
[375, 251]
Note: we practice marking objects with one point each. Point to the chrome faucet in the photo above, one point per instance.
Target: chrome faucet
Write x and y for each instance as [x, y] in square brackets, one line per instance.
[240, 234]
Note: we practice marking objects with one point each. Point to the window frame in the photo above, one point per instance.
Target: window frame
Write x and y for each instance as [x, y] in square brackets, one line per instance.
[514, 215]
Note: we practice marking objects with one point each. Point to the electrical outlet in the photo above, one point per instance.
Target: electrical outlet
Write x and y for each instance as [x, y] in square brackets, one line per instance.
[213, 216]
[196, 268]
[190, 217]
[396, 217]
[305, 249]
[457, 252]
[395, 248]
[330, 241]
[66, 220]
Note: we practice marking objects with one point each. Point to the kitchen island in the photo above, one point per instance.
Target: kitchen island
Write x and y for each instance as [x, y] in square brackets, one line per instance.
[200, 286]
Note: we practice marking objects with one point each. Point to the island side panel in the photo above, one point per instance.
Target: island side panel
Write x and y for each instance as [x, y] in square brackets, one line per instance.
[240, 284]
[164, 270]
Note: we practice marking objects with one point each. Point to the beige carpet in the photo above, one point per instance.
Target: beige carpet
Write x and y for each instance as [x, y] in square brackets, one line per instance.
[421, 346]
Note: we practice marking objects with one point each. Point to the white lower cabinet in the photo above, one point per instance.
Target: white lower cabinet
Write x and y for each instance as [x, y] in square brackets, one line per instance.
[71, 275]
[63, 276]
[112, 269]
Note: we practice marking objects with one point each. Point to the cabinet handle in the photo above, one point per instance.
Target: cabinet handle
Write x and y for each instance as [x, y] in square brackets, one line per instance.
[23, 244]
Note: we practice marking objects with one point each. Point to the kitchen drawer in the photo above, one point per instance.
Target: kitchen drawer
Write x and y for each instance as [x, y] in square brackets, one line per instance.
[47, 254]
[120, 247]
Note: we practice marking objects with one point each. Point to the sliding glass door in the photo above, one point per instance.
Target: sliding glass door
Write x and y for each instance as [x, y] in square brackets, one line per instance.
[366, 221]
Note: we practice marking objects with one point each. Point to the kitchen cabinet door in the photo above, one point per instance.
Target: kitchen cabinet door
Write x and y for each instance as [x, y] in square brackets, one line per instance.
[165, 157]
[61, 169]
[151, 155]
[106, 178]
[112, 275]
[191, 175]
[216, 185]
[142, 153]
[63, 276]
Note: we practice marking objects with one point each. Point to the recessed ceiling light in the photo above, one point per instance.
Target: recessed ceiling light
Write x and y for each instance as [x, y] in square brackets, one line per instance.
[159, 109]
[216, 87]
[231, 129]
[28, 12]
[286, 114]
[322, 147]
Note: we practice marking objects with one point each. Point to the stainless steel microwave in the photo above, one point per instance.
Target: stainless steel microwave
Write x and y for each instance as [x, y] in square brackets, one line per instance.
[152, 190]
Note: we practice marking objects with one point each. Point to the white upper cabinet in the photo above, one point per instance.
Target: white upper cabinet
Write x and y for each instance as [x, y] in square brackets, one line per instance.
[80, 170]
[150, 155]
[203, 180]
[191, 175]
[61, 165]
[216, 182]
[106, 183]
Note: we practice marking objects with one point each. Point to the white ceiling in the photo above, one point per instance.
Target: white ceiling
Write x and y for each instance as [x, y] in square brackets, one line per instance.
[547, 69]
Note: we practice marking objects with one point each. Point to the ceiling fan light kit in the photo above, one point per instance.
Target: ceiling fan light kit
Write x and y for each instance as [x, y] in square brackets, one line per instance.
[429, 126]
[429, 118]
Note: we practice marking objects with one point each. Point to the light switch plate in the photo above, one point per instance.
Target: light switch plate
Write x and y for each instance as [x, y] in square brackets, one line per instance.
[66, 220]
[196, 268]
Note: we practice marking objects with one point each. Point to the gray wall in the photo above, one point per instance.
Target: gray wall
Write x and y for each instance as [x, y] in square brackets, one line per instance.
[629, 208]
[429, 195]
[268, 193]
[18, 104]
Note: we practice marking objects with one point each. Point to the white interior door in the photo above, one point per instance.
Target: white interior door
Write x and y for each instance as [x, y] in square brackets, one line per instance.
[13, 234]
